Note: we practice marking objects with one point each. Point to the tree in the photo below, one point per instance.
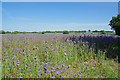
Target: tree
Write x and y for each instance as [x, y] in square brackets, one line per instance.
[15, 32]
[43, 32]
[102, 32]
[2, 32]
[65, 32]
[89, 30]
[115, 24]
[7, 32]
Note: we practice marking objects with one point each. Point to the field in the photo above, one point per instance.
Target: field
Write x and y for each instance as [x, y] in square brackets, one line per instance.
[60, 56]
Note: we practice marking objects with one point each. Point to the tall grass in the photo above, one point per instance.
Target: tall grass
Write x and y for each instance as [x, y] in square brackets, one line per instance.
[50, 56]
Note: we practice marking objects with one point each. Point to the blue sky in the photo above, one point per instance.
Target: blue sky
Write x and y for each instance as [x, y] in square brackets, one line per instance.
[42, 16]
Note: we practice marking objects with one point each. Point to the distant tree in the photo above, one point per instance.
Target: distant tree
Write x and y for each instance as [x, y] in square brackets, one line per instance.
[65, 32]
[7, 32]
[43, 32]
[95, 31]
[2, 32]
[15, 32]
[89, 30]
[48, 32]
[115, 24]
[34, 32]
[102, 32]
[80, 31]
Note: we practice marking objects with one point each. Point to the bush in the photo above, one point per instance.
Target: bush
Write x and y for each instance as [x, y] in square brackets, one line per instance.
[43, 32]
[103, 32]
[95, 31]
[65, 32]
[8, 32]
[15, 32]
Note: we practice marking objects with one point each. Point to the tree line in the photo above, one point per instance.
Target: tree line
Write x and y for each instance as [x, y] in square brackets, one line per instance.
[114, 23]
[61, 32]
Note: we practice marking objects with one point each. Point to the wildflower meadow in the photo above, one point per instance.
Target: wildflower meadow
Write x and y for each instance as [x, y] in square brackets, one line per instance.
[60, 56]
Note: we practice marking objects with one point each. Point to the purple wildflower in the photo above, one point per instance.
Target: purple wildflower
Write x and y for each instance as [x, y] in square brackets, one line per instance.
[64, 69]
[29, 51]
[94, 64]
[62, 76]
[53, 77]
[63, 65]
[68, 66]
[40, 67]
[14, 57]
[74, 74]
[58, 72]
[65, 50]
[18, 62]
[6, 56]
[57, 67]
[47, 71]
[39, 74]
[80, 72]
[46, 66]
[43, 63]
[53, 70]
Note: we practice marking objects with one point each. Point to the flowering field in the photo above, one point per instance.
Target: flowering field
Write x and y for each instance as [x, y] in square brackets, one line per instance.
[59, 56]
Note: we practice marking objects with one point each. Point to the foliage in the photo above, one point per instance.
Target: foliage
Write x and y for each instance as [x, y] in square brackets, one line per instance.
[15, 32]
[59, 32]
[65, 32]
[2, 32]
[103, 32]
[43, 32]
[115, 24]
[7, 32]
[89, 30]
[96, 31]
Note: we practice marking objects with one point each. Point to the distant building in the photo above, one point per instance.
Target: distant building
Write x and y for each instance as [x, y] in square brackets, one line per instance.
[119, 7]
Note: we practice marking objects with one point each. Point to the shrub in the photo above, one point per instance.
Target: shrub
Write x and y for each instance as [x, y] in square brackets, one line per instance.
[65, 32]
[103, 32]
[43, 32]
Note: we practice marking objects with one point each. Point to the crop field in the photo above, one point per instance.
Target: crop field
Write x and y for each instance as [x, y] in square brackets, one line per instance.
[60, 56]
